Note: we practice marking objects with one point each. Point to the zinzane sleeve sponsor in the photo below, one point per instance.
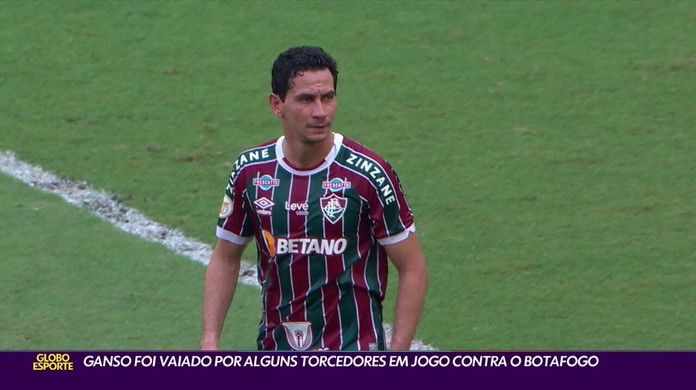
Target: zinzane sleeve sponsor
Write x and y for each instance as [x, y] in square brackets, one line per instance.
[391, 214]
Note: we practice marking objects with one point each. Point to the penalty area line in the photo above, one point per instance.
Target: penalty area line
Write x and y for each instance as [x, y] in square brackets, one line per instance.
[109, 208]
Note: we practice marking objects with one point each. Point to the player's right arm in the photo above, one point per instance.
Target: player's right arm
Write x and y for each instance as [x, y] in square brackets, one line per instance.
[219, 287]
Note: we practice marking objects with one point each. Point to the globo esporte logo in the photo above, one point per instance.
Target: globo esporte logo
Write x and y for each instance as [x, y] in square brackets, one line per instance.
[53, 362]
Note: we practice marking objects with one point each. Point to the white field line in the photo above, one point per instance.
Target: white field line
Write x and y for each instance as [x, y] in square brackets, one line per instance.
[109, 208]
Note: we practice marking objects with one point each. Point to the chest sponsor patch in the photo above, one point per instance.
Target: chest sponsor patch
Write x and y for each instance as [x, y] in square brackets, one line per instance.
[265, 182]
[299, 208]
[276, 246]
[336, 184]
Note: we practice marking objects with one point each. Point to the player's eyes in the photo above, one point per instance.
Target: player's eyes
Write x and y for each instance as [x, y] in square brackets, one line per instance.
[306, 99]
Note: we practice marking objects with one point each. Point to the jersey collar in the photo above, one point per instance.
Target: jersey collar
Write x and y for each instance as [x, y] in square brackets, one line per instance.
[337, 142]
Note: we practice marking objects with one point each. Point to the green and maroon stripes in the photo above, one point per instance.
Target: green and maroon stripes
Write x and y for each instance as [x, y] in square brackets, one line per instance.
[326, 268]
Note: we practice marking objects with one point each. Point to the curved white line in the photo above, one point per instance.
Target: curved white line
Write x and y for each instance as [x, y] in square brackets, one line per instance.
[109, 208]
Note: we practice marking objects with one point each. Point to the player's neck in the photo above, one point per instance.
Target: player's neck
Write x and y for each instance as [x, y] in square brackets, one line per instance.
[307, 155]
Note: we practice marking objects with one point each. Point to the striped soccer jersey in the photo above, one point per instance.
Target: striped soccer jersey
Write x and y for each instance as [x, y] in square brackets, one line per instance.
[319, 236]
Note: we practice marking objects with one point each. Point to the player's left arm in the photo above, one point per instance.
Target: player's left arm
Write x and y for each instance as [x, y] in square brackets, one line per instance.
[409, 260]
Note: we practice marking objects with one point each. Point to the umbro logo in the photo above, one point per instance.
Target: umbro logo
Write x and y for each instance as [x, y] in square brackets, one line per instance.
[263, 205]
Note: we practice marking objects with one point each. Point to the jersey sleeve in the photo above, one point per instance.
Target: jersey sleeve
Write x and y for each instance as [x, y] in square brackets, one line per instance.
[233, 223]
[391, 215]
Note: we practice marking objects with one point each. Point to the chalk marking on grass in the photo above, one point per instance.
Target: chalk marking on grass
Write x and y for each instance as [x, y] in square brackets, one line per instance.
[109, 208]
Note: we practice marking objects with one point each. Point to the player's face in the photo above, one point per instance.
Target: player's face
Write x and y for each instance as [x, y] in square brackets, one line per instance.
[309, 107]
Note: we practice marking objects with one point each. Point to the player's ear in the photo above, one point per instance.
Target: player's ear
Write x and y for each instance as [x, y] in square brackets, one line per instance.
[276, 104]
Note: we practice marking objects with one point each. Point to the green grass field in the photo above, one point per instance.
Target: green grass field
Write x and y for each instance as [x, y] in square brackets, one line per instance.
[547, 148]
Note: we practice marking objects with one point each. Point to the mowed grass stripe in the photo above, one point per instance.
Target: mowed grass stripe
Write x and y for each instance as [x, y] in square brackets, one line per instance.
[108, 207]
[71, 281]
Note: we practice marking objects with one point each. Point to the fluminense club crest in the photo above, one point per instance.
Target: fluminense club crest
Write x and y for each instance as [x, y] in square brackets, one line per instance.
[333, 207]
[299, 334]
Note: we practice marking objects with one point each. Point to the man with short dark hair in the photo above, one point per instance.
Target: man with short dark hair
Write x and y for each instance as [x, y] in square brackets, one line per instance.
[326, 214]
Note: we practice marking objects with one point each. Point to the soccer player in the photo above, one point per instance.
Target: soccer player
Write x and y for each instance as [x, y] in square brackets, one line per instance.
[326, 214]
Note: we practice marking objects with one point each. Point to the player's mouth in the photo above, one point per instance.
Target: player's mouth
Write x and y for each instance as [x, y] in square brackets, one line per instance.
[320, 126]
